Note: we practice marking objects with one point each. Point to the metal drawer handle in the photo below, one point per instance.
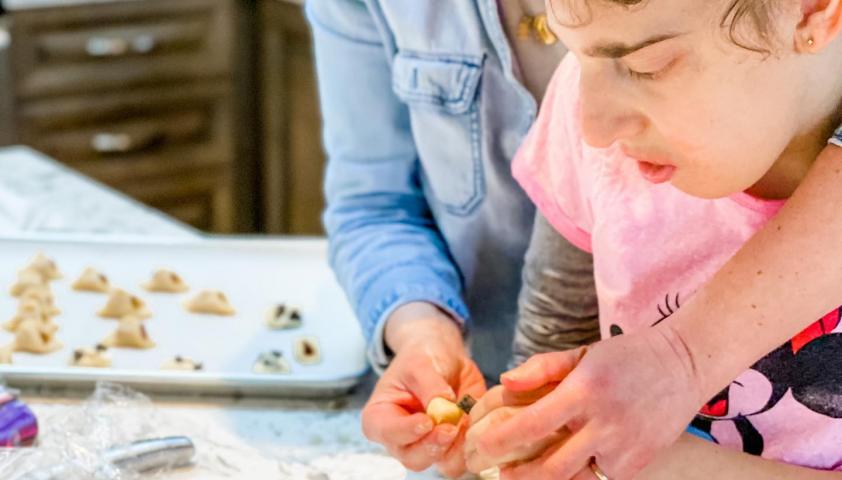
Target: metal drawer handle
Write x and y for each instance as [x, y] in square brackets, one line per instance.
[112, 143]
[117, 46]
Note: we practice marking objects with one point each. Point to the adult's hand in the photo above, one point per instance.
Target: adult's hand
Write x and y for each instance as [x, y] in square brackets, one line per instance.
[623, 400]
[430, 361]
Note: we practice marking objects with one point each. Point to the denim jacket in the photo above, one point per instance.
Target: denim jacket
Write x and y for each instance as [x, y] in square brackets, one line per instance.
[422, 116]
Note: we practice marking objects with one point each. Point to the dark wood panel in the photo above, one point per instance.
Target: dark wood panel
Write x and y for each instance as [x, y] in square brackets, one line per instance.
[121, 44]
[293, 159]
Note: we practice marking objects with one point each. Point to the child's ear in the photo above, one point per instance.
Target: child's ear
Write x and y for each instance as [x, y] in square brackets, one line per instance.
[820, 25]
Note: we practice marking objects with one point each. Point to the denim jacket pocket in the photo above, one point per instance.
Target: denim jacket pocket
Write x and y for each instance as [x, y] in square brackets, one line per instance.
[441, 93]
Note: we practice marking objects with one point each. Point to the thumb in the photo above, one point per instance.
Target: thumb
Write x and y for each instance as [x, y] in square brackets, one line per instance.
[542, 369]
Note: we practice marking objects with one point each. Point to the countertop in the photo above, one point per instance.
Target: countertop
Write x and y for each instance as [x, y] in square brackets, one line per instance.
[235, 438]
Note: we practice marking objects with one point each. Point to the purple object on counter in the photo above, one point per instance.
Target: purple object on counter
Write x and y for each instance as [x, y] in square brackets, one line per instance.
[18, 425]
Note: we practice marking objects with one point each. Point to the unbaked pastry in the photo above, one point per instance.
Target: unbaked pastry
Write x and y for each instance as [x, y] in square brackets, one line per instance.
[91, 281]
[307, 351]
[182, 363]
[210, 301]
[27, 278]
[45, 266]
[283, 317]
[166, 281]
[44, 297]
[121, 303]
[94, 357]
[28, 308]
[271, 362]
[130, 333]
[6, 354]
[33, 336]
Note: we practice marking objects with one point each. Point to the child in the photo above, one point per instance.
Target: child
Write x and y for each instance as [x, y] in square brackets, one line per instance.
[677, 150]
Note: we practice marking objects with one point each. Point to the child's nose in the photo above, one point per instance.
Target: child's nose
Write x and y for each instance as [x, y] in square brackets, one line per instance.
[605, 119]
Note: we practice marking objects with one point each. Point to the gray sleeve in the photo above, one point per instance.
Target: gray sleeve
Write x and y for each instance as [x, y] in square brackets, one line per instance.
[557, 306]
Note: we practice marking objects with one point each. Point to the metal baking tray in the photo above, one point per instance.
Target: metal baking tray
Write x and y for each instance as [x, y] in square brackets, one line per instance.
[255, 274]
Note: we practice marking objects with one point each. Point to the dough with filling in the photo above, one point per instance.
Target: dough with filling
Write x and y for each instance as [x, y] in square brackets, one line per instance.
[45, 266]
[35, 337]
[130, 333]
[44, 297]
[91, 281]
[6, 354]
[27, 278]
[271, 362]
[182, 363]
[283, 317]
[28, 308]
[93, 357]
[121, 303]
[166, 281]
[307, 351]
[210, 301]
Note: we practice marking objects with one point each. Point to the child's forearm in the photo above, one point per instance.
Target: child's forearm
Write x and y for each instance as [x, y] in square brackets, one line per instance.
[694, 459]
[784, 279]
[557, 308]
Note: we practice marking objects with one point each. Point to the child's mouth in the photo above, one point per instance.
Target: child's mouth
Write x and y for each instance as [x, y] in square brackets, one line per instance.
[656, 173]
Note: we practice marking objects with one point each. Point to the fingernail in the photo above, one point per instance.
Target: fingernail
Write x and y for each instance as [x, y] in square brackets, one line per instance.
[424, 427]
[447, 435]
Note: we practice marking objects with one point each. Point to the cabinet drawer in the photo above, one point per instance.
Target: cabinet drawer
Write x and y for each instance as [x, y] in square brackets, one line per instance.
[120, 44]
[161, 129]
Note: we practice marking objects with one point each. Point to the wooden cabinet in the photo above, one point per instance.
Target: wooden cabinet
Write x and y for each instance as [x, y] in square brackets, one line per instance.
[292, 158]
[138, 94]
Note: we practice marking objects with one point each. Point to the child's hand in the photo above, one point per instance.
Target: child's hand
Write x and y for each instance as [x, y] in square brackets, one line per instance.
[624, 400]
[425, 367]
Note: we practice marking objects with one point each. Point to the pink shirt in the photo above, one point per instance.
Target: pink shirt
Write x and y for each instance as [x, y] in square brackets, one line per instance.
[653, 247]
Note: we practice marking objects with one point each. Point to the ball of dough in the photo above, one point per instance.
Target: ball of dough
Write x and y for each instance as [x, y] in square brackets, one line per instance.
[442, 410]
[212, 302]
[166, 281]
[91, 281]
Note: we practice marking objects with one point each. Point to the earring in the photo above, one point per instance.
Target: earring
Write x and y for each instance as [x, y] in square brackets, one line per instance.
[810, 41]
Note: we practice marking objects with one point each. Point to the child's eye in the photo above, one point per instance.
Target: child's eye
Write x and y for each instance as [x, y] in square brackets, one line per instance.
[649, 74]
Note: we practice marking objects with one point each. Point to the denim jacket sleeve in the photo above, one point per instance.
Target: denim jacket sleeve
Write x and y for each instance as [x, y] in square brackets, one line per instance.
[385, 247]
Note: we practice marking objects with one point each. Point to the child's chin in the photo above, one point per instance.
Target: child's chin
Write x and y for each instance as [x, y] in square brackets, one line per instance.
[700, 189]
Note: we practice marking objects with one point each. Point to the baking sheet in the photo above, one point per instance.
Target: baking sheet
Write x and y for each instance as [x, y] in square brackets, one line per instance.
[254, 274]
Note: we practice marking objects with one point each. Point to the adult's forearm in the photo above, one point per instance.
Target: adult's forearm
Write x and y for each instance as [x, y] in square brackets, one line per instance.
[785, 278]
[694, 459]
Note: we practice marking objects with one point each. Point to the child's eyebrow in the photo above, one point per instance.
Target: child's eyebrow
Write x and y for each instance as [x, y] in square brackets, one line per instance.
[619, 50]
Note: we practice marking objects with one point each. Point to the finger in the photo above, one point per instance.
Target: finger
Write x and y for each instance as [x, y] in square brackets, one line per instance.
[427, 451]
[427, 384]
[573, 455]
[533, 423]
[542, 369]
[499, 397]
[452, 464]
[389, 424]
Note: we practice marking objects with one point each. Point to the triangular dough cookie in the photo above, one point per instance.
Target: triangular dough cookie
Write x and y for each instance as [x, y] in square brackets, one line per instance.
[35, 337]
[182, 363]
[283, 317]
[210, 301]
[166, 281]
[27, 309]
[130, 333]
[27, 278]
[91, 281]
[121, 303]
[46, 266]
[307, 351]
[44, 297]
[6, 353]
[271, 362]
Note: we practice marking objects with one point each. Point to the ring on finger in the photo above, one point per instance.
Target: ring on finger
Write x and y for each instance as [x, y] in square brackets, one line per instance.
[597, 471]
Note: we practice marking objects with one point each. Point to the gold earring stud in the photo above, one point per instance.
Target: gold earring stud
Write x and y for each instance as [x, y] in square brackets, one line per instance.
[810, 42]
